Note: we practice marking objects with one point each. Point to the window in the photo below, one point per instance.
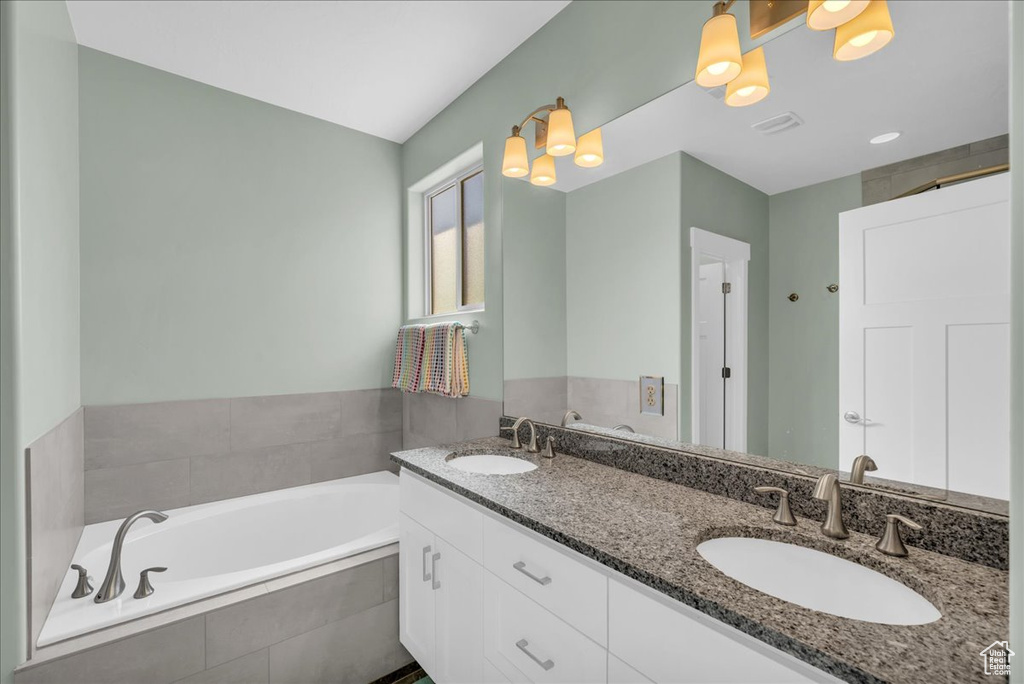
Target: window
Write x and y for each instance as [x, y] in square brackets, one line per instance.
[454, 236]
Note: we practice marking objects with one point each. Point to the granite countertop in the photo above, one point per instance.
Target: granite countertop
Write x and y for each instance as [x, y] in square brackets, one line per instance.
[649, 530]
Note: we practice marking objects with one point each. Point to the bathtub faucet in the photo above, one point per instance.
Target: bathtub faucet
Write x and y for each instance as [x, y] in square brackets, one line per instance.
[113, 583]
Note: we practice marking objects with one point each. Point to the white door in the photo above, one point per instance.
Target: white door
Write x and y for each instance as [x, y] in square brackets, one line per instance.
[459, 617]
[712, 353]
[416, 590]
[924, 337]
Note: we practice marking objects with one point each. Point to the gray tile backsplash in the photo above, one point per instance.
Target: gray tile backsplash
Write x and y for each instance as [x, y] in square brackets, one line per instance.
[56, 513]
[171, 454]
[429, 419]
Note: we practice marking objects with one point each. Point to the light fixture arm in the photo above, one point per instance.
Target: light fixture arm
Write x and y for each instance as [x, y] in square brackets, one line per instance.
[721, 7]
[532, 116]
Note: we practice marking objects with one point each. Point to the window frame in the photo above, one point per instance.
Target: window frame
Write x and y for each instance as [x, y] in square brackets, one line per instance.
[456, 182]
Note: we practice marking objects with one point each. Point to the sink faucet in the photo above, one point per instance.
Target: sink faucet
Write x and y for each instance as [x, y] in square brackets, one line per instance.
[570, 414]
[860, 464]
[532, 446]
[113, 583]
[827, 489]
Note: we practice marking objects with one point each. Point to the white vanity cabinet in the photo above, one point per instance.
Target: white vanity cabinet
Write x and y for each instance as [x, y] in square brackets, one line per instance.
[486, 600]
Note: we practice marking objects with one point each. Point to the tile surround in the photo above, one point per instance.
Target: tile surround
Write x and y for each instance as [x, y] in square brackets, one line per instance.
[429, 419]
[55, 501]
[172, 454]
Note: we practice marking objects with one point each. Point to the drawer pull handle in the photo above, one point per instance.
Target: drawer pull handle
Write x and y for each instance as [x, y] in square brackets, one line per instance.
[426, 575]
[521, 567]
[436, 584]
[546, 664]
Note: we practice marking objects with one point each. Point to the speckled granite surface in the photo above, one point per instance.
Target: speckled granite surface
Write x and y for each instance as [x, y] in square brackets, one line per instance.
[972, 535]
[960, 499]
[649, 529]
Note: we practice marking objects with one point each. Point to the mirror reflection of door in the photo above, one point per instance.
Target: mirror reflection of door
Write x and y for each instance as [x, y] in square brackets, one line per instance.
[925, 342]
[718, 323]
[712, 326]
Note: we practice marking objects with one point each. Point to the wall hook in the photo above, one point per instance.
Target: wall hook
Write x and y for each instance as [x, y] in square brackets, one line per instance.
[793, 297]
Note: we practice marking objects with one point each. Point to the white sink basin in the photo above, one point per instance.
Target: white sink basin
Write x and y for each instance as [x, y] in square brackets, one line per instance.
[819, 581]
[492, 464]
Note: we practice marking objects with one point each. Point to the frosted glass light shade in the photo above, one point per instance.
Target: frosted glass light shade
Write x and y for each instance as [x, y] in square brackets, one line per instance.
[543, 170]
[590, 149]
[752, 84]
[515, 164]
[823, 15]
[561, 136]
[868, 32]
[719, 60]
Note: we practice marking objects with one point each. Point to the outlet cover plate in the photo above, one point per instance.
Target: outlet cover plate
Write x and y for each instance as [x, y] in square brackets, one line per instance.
[652, 395]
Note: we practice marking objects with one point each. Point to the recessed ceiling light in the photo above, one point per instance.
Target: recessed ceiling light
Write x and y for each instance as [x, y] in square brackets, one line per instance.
[884, 138]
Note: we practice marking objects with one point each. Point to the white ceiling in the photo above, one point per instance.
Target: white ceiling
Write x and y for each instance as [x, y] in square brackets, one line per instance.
[943, 81]
[384, 68]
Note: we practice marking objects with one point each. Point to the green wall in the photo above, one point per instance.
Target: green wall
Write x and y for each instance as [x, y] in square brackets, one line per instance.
[622, 274]
[1017, 339]
[534, 281]
[229, 247]
[39, 270]
[803, 396]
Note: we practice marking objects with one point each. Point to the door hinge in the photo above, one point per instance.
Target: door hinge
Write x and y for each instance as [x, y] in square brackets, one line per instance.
[727, 372]
[726, 288]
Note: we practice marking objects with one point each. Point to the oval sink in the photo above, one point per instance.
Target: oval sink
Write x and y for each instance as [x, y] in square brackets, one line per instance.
[492, 464]
[819, 581]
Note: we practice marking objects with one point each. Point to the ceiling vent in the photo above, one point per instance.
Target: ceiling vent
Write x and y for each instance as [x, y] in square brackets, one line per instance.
[778, 124]
[718, 92]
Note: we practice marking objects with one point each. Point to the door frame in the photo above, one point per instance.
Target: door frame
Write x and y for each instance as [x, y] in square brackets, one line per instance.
[736, 256]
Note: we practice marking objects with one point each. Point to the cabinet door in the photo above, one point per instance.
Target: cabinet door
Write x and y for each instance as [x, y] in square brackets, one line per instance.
[459, 615]
[415, 591]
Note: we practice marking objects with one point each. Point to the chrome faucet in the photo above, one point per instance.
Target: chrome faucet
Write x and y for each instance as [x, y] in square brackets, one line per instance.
[516, 444]
[860, 464]
[570, 414]
[113, 583]
[827, 489]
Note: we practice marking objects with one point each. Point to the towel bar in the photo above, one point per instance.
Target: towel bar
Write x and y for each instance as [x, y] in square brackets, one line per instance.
[475, 328]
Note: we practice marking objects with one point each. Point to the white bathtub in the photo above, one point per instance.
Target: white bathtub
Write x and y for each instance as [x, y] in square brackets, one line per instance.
[213, 548]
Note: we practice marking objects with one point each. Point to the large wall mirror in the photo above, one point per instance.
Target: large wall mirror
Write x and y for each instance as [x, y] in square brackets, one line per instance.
[774, 281]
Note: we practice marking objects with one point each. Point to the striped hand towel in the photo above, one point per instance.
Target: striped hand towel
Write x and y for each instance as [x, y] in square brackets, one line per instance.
[408, 358]
[445, 360]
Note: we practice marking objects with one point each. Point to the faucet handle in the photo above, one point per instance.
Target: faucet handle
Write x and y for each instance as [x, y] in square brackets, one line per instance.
[549, 447]
[516, 444]
[84, 586]
[891, 544]
[145, 588]
[783, 514]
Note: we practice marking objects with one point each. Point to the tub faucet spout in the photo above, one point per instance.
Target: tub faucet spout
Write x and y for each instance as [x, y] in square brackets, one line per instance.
[113, 583]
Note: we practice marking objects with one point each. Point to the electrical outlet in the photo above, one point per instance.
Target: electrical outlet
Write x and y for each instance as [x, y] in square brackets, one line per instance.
[652, 395]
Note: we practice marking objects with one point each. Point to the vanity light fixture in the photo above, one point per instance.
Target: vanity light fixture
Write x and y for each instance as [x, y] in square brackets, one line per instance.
[752, 84]
[865, 34]
[824, 15]
[719, 60]
[553, 132]
[590, 149]
[884, 138]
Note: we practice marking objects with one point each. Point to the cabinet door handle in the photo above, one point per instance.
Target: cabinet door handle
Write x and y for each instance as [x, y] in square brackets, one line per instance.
[433, 569]
[546, 664]
[426, 575]
[521, 567]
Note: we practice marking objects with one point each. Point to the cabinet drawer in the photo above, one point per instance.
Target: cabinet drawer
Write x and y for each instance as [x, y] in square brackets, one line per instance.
[527, 643]
[443, 513]
[574, 592]
[681, 645]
